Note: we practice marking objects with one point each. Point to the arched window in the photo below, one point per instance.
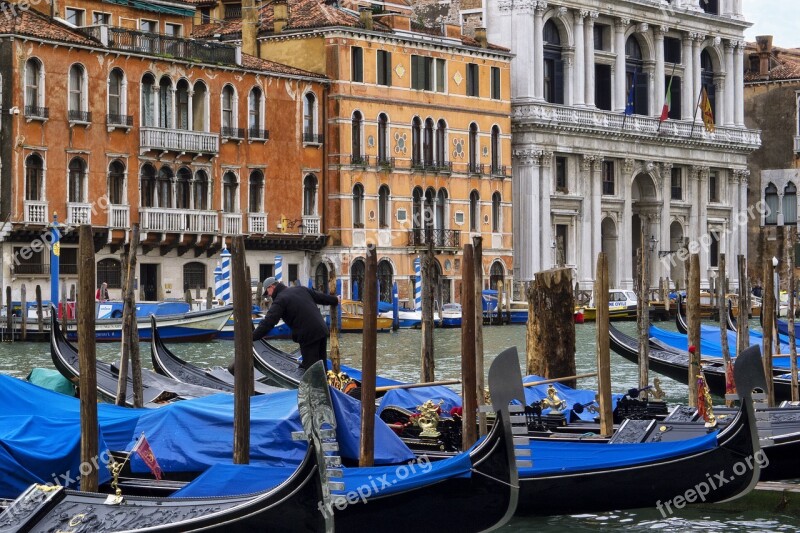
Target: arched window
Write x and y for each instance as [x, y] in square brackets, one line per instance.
[164, 187]
[147, 101]
[194, 276]
[417, 208]
[199, 107]
[309, 117]
[496, 228]
[183, 189]
[358, 206]
[77, 94]
[110, 271]
[357, 153]
[707, 78]
[310, 195]
[635, 77]
[182, 105]
[429, 208]
[77, 180]
[147, 185]
[495, 150]
[165, 103]
[553, 65]
[255, 115]
[256, 192]
[790, 204]
[116, 183]
[771, 199]
[229, 188]
[385, 278]
[117, 96]
[229, 122]
[473, 149]
[416, 142]
[383, 138]
[34, 178]
[383, 206]
[357, 270]
[474, 211]
[427, 143]
[34, 87]
[201, 190]
[441, 142]
[321, 281]
[441, 210]
[496, 274]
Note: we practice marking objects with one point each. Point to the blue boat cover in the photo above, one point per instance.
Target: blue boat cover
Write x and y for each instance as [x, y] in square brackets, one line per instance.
[192, 435]
[356, 374]
[412, 398]
[568, 394]
[52, 380]
[557, 457]
[231, 480]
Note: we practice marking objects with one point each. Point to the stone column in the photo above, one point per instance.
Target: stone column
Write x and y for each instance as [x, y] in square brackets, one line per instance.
[620, 26]
[720, 116]
[597, 213]
[694, 198]
[580, 68]
[659, 91]
[696, 40]
[538, 50]
[189, 114]
[624, 231]
[588, 43]
[526, 163]
[738, 97]
[525, 34]
[702, 199]
[545, 218]
[730, 83]
[664, 235]
[744, 175]
[499, 23]
[586, 263]
[568, 57]
[173, 99]
[688, 98]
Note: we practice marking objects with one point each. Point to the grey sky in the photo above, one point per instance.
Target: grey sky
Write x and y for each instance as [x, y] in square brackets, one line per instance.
[778, 18]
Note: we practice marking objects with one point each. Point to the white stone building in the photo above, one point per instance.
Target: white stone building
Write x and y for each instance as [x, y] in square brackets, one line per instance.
[588, 178]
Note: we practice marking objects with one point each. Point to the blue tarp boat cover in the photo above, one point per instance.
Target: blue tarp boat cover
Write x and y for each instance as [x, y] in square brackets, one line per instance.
[51, 380]
[412, 398]
[356, 374]
[555, 457]
[568, 394]
[231, 480]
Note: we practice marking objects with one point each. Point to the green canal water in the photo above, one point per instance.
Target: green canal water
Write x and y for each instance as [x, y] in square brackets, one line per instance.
[398, 358]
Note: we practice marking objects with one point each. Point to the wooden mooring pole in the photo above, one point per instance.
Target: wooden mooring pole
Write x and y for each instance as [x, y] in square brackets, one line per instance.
[603, 346]
[9, 315]
[768, 327]
[334, 318]
[792, 286]
[243, 352]
[87, 359]
[693, 318]
[24, 313]
[742, 321]
[468, 366]
[369, 369]
[642, 317]
[722, 305]
[428, 369]
[477, 245]
[39, 313]
[130, 328]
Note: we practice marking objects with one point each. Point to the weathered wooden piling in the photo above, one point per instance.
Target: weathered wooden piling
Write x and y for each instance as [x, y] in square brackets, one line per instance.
[477, 250]
[792, 285]
[768, 326]
[9, 315]
[722, 305]
[209, 298]
[187, 297]
[39, 313]
[603, 346]
[24, 313]
[130, 328]
[498, 317]
[87, 358]
[642, 317]
[243, 352]
[336, 358]
[468, 366]
[693, 318]
[428, 368]
[369, 369]
[743, 304]
[551, 325]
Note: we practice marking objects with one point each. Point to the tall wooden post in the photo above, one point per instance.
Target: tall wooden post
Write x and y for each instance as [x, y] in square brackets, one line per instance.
[693, 317]
[500, 301]
[768, 318]
[209, 298]
[39, 313]
[603, 346]
[477, 246]
[468, 367]
[722, 283]
[792, 285]
[9, 314]
[187, 297]
[509, 294]
[428, 362]
[243, 352]
[551, 325]
[130, 328]
[336, 357]
[642, 318]
[368, 359]
[24, 312]
[87, 358]
[742, 321]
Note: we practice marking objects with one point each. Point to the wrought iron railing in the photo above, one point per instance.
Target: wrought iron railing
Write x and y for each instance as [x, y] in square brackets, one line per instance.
[33, 111]
[386, 162]
[313, 138]
[75, 115]
[258, 134]
[475, 168]
[441, 238]
[31, 268]
[499, 171]
[233, 11]
[359, 160]
[113, 119]
[166, 45]
[232, 133]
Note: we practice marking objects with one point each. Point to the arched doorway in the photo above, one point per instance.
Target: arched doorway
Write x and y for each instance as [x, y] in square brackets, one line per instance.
[385, 277]
[645, 208]
[677, 267]
[321, 275]
[496, 273]
[608, 232]
[357, 279]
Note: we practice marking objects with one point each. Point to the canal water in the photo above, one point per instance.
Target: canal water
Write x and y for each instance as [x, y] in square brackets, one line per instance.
[398, 358]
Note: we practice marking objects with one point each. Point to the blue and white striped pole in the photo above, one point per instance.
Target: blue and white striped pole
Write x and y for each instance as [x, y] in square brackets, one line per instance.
[417, 285]
[279, 268]
[225, 293]
[218, 282]
[55, 252]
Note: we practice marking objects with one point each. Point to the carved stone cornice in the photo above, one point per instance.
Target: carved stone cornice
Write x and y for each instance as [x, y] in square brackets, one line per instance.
[586, 162]
[621, 24]
[528, 156]
[505, 6]
[666, 168]
[597, 163]
[627, 165]
[541, 6]
[524, 6]
[547, 159]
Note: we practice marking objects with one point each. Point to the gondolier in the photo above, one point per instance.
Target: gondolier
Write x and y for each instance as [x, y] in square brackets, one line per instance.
[297, 306]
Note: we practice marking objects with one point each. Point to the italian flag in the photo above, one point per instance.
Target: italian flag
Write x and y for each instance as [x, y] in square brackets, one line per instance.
[667, 102]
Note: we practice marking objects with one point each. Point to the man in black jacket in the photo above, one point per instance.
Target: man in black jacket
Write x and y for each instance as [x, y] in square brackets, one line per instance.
[297, 306]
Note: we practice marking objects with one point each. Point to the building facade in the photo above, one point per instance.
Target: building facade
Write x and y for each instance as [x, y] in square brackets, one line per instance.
[595, 169]
[111, 116]
[417, 139]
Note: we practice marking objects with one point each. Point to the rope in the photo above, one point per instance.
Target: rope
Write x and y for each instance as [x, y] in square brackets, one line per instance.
[495, 479]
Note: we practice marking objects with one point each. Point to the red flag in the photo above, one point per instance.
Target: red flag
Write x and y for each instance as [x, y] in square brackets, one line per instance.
[730, 383]
[142, 447]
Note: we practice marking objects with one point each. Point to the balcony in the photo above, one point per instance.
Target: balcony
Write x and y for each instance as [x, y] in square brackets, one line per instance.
[386, 163]
[233, 11]
[168, 220]
[171, 140]
[31, 269]
[232, 133]
[119, 216]
[257, 134]
[475, 168]
[33, 112]
[231, 224]
[499, 171]
[311, 225]
[573, 120]
[165, 45]
[445, 167]
[313, 138]
[79, 213]
[359, 160]
[76, 116]
[441, 238]
[257, 222]
[119, 121]
[35, 212]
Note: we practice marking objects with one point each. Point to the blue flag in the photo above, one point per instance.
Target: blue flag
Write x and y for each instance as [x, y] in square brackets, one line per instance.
[631, 95]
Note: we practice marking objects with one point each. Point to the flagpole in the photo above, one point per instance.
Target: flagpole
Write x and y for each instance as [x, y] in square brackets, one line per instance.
[696, 107]
[667, 95]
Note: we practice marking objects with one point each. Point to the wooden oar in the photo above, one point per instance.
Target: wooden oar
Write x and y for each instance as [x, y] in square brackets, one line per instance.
[557, 380]
[417, 385]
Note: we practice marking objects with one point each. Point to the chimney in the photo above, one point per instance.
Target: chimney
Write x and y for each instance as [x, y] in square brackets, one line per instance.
[250, 28]
[280, 15]
[365, 14]
[764, 47]
[480, 36]
[452, 30]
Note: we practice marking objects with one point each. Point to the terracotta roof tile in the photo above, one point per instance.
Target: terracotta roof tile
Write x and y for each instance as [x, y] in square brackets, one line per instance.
[33, 24]
[784, 64]
[256, 63]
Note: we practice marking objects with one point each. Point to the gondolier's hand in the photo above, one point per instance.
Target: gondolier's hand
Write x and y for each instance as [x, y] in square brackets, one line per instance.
[339, 297]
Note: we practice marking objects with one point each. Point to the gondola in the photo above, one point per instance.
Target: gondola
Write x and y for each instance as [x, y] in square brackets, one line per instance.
[168, 364]
[680, 321]
[293, 504]
[155, 388]
[561, 488]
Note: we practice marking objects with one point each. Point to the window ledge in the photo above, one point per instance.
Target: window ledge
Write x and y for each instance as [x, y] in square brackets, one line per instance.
[83, 123]
[31, 118]
[311, 144]
[112, 127]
